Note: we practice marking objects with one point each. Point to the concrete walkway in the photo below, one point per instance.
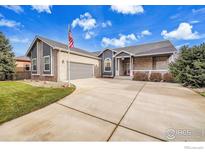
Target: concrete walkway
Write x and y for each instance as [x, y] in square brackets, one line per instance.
[115, 110]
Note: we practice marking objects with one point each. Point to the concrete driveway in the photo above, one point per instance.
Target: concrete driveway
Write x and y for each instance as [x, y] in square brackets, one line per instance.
[115, 110]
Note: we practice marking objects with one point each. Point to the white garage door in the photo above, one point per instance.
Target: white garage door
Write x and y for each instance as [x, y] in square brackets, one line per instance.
[80, 71]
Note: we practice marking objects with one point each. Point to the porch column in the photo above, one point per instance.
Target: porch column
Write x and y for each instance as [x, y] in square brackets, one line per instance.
[118, 66]
[131, 66]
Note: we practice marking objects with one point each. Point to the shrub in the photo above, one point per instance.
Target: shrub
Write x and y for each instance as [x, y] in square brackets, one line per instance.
[189, 67]
[7, 61]
[167, 77]
[10, 76]
[2, 76]
[155, 76]
[141, 76]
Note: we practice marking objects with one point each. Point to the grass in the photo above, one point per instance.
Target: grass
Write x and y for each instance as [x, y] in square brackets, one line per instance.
[17, 98]
[203, 94]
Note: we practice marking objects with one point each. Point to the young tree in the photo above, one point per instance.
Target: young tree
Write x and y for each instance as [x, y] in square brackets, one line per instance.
[189, 68]
[7, 61]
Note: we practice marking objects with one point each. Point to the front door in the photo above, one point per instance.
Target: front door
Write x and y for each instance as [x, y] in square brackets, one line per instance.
[127, 69]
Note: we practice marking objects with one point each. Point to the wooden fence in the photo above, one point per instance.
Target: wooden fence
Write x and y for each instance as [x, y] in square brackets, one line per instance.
[22, 75]
[17, 76]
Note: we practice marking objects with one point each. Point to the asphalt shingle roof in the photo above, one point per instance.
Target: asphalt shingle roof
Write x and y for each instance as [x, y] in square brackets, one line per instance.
[23, 58]
[159, 47]
[64, 46]
[149, 48]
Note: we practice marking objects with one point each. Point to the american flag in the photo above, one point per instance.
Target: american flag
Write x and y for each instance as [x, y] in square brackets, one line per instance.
[70, 39]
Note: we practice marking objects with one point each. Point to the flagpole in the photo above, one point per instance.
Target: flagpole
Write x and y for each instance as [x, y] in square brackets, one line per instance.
[68, 61]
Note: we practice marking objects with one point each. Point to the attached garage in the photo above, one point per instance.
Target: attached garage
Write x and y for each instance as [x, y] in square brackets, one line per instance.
[81, 70]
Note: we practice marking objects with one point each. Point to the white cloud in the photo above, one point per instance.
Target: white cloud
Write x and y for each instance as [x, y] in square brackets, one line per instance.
[128, 9]
[15, 8]
[8, 23]
[145, 32]
[42, 8]
[108, 23]
[89, 35]
[19, 40]
[194, 22]
[86, 21]
[198, 11]
[183, 32]
[118, 42]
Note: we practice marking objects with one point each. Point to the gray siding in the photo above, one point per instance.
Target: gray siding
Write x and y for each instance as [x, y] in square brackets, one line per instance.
[46, 52]
[34, 55]
[104, 55]
[46, 49]
[38, 51]
[34, 51]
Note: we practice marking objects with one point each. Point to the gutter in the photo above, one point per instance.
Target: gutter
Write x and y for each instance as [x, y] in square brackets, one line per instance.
[77, 53]
[141, 55]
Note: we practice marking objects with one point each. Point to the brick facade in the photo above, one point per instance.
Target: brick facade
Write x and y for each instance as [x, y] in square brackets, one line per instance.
[142, 63]
[151, 63]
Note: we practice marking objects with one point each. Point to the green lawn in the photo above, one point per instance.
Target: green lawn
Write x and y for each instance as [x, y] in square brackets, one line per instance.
[203, 94]
[17, 98]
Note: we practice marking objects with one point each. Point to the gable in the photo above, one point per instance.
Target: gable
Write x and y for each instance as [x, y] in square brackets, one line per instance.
[34, 45]
[46, 49]
[106, 50]
[33, 51]
[107, 53]
[123, 54]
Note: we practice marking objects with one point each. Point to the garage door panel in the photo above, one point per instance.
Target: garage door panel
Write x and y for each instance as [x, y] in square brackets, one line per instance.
[80, 71]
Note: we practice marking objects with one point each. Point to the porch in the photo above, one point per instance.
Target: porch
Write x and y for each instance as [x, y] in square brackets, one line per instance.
[127, 66]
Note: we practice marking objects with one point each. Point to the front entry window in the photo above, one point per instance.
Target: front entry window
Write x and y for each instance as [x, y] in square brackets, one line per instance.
[107, 65]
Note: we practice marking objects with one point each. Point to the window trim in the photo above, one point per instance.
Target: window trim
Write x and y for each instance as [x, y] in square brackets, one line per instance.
[32, 65]
[46, 63]
[110, 64]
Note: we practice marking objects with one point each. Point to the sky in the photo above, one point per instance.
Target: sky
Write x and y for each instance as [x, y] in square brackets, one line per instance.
[95, 28]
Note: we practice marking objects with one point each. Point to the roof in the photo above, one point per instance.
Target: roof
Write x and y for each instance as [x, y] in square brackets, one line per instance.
[96, 53]
[154, 48]
[23, 58]
[56, 44]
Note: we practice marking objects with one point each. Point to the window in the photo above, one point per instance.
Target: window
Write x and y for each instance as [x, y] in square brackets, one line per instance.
[46, 63]
[107, 65]
[27, 67]
[34, 68]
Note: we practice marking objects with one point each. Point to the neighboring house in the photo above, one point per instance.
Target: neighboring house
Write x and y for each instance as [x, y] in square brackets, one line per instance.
[50, 60]
[23, 64]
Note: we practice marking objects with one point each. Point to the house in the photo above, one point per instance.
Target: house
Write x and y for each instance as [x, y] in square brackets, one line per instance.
[23, 64]
[145, 57]
[52, 60]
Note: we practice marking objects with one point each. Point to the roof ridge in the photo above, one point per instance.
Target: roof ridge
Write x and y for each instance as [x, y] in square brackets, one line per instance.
[143, 44]
[55, 43]
[38, 36]
[50, 39]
